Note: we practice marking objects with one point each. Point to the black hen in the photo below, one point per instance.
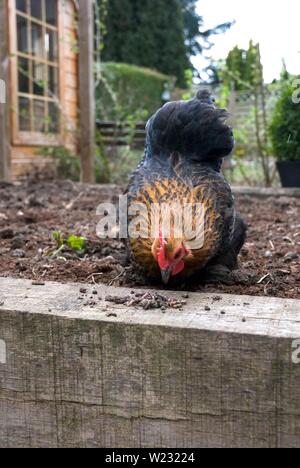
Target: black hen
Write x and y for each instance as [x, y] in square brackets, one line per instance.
[185, 147]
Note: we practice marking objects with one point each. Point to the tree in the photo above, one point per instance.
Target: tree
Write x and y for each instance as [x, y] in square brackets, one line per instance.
[197, 39]
[148, 33]
[157, 34]
[241, 67]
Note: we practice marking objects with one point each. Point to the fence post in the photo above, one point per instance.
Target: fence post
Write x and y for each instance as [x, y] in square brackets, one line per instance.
[87, 90]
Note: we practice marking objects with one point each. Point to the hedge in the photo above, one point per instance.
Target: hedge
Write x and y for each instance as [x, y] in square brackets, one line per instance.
[128, 91]
[285, 125]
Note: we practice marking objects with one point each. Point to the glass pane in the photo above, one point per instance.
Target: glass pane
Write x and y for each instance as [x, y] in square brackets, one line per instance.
[51, 45]
[37, 40]
[21, 5]
[24, 114]
[51, 12]
[23, 72]
[52, 82]
[53, 118]
[22, 32]
[39, 116]
[38, 75]
[36, 9]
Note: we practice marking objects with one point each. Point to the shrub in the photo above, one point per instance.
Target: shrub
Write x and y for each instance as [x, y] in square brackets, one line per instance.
[67, 164]
[127, 90]
[285, 126]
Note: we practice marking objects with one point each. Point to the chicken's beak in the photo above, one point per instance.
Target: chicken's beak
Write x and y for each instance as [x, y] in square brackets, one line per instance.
[166, 275]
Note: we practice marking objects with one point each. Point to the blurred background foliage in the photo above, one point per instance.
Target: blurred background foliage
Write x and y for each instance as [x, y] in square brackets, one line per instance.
[285, 124]
[125, 90]
[158, 34]
[143, 58]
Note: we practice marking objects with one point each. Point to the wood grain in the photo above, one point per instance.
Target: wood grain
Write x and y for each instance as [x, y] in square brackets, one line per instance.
[75, 377]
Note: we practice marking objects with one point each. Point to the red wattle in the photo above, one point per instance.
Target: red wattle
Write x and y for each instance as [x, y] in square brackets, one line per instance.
[164, 264]
[178, 269]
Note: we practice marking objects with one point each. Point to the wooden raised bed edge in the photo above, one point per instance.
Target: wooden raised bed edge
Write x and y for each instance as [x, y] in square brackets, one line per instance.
[75, 376]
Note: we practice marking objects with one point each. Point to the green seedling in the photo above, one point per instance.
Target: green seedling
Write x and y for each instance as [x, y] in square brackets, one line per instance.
[76, 243]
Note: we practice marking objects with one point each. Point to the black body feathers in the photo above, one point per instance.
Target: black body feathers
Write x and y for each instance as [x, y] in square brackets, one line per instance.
[196, 129]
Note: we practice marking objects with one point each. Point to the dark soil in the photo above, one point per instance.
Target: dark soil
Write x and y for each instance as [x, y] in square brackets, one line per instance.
[30, 212]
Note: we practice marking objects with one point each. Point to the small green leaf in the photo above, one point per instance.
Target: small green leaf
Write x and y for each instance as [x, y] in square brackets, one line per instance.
[77, 243]
[58, 238]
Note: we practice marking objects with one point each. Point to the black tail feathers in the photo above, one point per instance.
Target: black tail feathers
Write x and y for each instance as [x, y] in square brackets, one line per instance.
[196, 129]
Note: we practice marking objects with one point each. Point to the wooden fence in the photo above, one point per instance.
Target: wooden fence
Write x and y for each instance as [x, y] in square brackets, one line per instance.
[122, 134]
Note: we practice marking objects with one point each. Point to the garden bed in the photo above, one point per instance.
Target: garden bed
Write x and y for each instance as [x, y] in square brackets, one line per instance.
[222, 372]
[32, 211]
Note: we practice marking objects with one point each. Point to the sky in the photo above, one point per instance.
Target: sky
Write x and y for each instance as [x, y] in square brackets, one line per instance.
[275, 24]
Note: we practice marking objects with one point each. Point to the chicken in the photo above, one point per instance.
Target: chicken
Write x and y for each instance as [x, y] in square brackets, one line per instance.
[185, 146]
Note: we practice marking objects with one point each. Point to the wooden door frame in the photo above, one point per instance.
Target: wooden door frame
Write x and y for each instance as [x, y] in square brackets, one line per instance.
[32, 139]
[87, 90]
[5, 154]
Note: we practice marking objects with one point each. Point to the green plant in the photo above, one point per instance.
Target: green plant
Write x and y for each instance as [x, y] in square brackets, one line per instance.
[188, 93]
[76, 244]
[126, 95]
[245, 173]
[243, 72]
[67, 164]
[285, 126]
[123, 89]
[122, 164]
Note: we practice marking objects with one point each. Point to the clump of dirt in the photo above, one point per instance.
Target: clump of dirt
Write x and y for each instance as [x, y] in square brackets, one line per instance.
[148, 300]
[30, 212]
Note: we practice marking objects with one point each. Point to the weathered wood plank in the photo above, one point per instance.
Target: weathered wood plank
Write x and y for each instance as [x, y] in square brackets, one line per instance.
[75, 377]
